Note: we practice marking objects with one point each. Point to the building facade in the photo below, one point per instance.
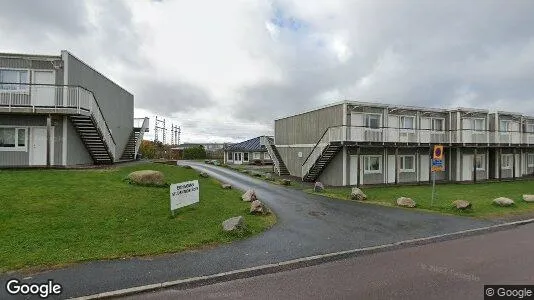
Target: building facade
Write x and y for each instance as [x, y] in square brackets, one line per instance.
[356, 143]
[251, 151]
[59, 111]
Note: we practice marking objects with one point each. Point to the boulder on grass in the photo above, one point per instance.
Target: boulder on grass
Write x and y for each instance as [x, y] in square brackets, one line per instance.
[257, 208]
[406, 202]
[207, 161]
[461, 204]
[357, 194]
[285, 182]
[216, 163]
[318, 187]
[269, 176]
[528, 198]
[244, 171]
[204, 174]
[503, 201]
[226, 186]
[249, 196]
[233, 224]
[147, 177]
[186, 167]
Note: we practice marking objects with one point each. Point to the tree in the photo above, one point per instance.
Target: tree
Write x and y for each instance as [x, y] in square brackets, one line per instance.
[195, 152]
[147, 149]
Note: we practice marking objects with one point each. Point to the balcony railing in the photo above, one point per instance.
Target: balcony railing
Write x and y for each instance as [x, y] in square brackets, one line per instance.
[58, 98]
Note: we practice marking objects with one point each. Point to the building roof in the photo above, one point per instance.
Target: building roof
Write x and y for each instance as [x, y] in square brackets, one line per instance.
[248, 145]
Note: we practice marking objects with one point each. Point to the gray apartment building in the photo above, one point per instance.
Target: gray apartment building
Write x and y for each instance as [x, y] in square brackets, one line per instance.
[59, 111]
[357, 143]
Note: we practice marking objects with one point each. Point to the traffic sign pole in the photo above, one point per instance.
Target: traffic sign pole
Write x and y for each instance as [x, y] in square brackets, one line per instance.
[433, 188]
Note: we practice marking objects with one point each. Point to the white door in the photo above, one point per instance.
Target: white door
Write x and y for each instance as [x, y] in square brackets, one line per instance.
[38, 146]
[391, 168]
[517, 166]
[43, 95]
[238, 158]
[467, 167]
[424, 171]
[353, 178]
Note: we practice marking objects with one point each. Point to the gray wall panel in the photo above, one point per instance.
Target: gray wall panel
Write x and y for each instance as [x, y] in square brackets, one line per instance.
[77, 154]
[116, 103]
[291, 159]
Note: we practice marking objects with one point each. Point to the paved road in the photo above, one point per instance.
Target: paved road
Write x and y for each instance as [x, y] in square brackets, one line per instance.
[307, 225]
[456, 269]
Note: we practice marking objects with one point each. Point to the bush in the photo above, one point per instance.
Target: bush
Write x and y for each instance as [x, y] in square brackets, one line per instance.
[195, 153]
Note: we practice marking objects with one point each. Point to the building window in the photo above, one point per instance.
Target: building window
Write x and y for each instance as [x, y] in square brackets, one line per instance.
[480, 162]
[504, 125]
[372, 121]
[438, 125]
[245, 156]
[266, 155]
[256, 155]
[507, 161]
[530, 128]
[407, 122]
[372, 164]
[229, 155]
[407, 163]
[14, 80]
[530, 160]
[478, 125]
[13, 139]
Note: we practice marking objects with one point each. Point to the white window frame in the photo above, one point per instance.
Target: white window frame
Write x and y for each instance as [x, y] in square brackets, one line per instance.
[530, 128]
[530, 160]
[508, 126]
[17, 147]
[482, 160]
[247, 154]
[402, 119]
[256, 155]
[366, 120]
[433, 127]
[25, 87]
[266, 155]
[510, 160]
[475, 123]
[402, 163]
[366, 163]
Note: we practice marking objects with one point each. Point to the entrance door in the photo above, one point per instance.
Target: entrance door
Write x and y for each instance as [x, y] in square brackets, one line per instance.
[43, 95]
[353, 178]
[38, 146]
[467, 167]
[238, 158]
[424, 168]
[391, 169]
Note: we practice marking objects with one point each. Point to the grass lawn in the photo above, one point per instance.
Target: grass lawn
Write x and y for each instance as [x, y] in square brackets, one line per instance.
[480, 195]
[55, 217]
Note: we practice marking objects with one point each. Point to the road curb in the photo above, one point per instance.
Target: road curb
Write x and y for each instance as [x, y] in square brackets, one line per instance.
[302, 262]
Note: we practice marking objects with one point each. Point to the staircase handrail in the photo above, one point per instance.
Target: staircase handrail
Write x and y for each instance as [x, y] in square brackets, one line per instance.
[267, 142]
[318, 149]
[141, 134]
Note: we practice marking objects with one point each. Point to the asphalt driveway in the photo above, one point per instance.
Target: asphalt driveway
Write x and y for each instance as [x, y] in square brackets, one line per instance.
[307, 225]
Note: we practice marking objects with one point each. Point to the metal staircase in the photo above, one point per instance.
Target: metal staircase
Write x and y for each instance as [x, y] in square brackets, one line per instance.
[324, 151]
[93, 139]
[322, 161]
[129, 150]
[278, 163]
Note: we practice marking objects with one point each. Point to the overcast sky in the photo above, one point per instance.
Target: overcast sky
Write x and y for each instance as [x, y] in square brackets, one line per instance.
[224, 70]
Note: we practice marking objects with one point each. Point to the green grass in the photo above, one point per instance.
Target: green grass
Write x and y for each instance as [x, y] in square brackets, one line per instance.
[56, 217]
[480, 195]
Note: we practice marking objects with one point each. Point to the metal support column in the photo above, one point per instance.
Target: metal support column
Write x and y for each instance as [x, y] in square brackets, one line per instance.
[48, 142]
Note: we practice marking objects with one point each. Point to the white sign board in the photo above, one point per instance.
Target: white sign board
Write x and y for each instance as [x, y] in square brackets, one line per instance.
[184, 194]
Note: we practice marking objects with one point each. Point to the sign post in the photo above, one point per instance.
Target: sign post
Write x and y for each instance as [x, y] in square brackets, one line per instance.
[184, 194]
[437, 166]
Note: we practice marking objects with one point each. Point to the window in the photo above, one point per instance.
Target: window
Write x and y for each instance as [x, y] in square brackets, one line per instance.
[530, 128]
[478, 124]
[13, 139]
[256, 155]
[407, 122]
[372, 164]
[14, 80]
[504, 125]
[229, 155]
[266, 155]
[480, 162]
[506, 161]
[245, 156]
[372, 121]
[438, 125]
[407, 163]
[530, 160]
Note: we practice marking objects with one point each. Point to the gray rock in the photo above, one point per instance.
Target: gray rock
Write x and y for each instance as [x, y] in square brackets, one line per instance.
[461, 204]
[207, 161]
[285, 182]
[528, 198]
[257, 208]
[318, 187]
[204, 174]
[357, 194]
[226, 186]
[147, 177]
[234, 223]
[249, 196]
[503, 201]
[406, 202]
[269, 176]
[186, 167]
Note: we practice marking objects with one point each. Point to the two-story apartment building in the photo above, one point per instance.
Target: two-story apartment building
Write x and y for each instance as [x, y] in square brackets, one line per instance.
[357, 143]
[59, 111]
